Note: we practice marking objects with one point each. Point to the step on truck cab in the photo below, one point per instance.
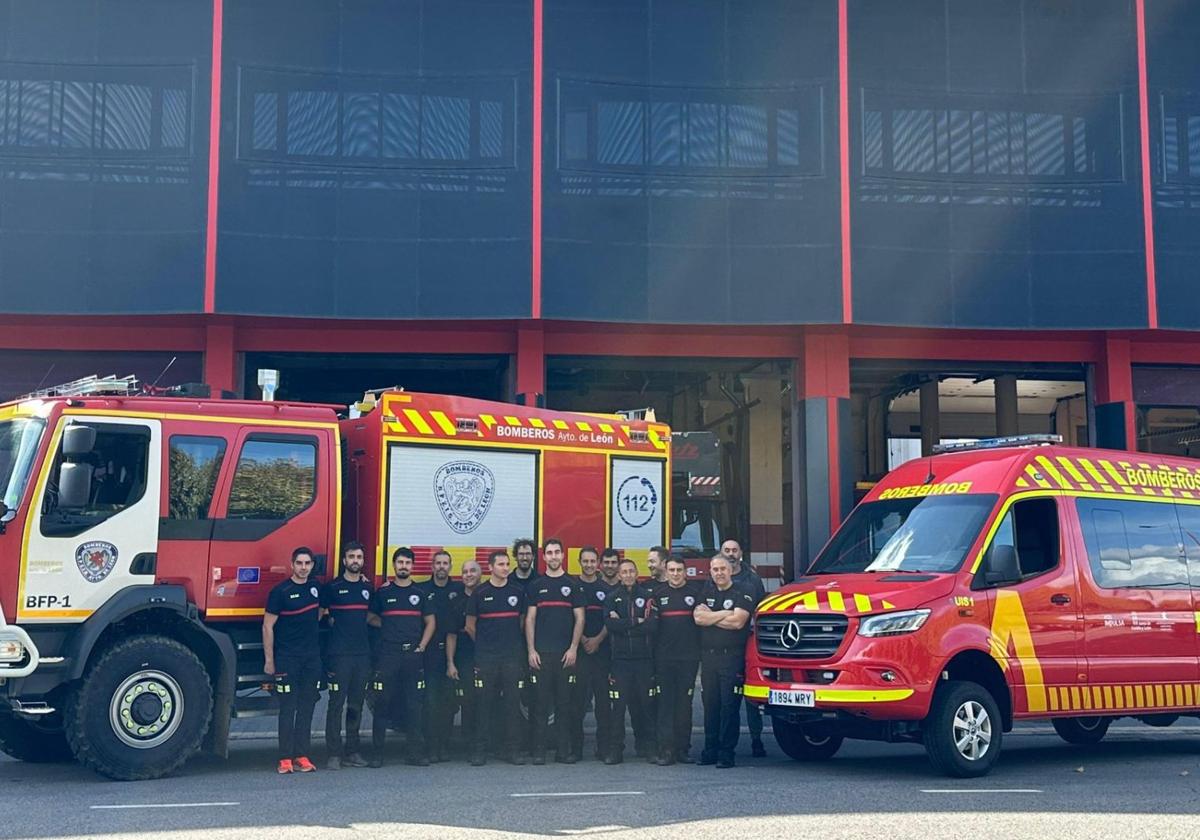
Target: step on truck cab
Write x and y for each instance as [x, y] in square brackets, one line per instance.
[140, 535]
[1012, 579]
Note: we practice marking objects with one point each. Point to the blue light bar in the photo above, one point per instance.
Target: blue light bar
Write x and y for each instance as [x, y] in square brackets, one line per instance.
[998, 443]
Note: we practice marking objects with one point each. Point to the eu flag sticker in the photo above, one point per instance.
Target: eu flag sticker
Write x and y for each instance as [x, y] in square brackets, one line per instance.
[247, 574]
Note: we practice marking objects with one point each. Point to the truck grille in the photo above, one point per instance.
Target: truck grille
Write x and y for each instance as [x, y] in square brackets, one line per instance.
[800, 636]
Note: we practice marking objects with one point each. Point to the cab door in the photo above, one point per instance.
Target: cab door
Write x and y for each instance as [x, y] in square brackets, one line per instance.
[1036, 618]
[1139, 621]
[278, 495]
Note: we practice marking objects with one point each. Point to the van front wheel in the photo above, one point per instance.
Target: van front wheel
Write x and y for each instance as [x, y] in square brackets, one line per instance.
[1081, 730]
[963, 732]
[805, 743]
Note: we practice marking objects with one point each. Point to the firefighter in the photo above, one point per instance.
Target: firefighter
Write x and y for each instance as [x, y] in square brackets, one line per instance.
[404, 615]
[292, 654]
[676, 658]
[723, 616]
[553, 628]
[610, 564]
[748, 579]
[631, 621]
[656, 560]
[460, 653]
[592, 664]
[495, 615]
[444, 595]
[345, 600]
[525, 552]
[526, 572]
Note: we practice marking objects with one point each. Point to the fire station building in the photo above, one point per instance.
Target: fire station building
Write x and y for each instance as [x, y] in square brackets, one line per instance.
[835, 232]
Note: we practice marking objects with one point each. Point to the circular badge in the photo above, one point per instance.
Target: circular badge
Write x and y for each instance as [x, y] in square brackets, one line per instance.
[728, 603]
[637, 501]
[512, 600]
[366, 595]
[95, 560]
[315, 592]
[453, 595]
[464, 491]
[689, 600]
[600, 596]
[566, 590]
[414, 599]
[640, 602]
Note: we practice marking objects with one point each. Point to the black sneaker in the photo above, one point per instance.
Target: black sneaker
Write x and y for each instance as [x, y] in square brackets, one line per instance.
[615, 758]
[375, 762]
[417, 761]
[354, 760]
[518, 759]
[538, 759]
[706, 760]
[757, 749]
[568, 758]
[684, 758]
[478, 760]
[665, 760]
[724, 763]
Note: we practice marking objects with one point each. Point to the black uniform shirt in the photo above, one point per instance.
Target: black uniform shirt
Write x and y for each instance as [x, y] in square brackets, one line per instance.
[348, 603]
[678, 637]
[556, 599]
[631, 622]
[524, 583]
[498, 611]
[402, 610]
[297, 630]
[443, 599]
[594, 594]
[464, 649]
[732, 598]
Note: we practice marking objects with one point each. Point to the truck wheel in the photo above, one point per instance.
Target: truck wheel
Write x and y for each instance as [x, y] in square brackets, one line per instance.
[1159, 720]
[33, 740]
[1081, 730]
[963, 731]
[805, 743]
[142, 709]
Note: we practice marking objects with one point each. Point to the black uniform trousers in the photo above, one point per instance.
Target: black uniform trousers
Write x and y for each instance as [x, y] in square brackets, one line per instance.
[298, 686]
[498, 684]
[346, 677]
[440, 700]
[400, 697]
[555, 688]
[632, 686]
[722, 673]
[592, 671]
[676, 683]
[467, 698]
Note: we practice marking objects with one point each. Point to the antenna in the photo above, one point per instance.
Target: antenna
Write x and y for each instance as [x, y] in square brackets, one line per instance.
[164, 371]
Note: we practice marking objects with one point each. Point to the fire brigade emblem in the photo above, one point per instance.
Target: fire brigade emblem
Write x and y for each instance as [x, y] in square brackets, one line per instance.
[366, 595]
[316, 593]
[600, 596]
[689, 600]
[512, 600]
[728, 603]
[464, 491]
[566, 590]
[414, 599]
[640, 602]
[96, 560]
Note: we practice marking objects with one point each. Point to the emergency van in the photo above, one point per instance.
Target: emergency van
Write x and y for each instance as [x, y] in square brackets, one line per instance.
[140, 535]
[1013, 579]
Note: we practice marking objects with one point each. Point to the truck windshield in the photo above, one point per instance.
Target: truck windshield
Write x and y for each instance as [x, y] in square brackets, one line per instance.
[931, 534]
[18, 447]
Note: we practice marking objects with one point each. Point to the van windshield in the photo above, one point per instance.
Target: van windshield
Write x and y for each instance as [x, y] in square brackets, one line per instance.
[18, 446]
[930, 534]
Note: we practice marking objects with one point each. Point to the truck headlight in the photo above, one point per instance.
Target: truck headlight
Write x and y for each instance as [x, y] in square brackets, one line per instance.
[893, 624]
[11, 650]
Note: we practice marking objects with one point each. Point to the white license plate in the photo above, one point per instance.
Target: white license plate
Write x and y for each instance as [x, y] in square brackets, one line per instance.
[791, 697]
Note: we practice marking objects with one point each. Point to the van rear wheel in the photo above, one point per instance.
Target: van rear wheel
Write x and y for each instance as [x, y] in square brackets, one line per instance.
[1081, 730]
[806, 743]
[963, 731]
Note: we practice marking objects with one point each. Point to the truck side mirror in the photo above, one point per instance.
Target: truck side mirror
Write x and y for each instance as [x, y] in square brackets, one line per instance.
[74, 485]
[78, 440]
[1002, 567]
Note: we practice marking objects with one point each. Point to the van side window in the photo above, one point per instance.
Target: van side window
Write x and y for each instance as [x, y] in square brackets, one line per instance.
[195, 462]
[119, 464]
[276, 478]
[1189, 522]
[1132, 544]
[1031, 527]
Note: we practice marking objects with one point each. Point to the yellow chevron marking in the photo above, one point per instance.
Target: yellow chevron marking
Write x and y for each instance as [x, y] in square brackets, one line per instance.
[771, 600]
[787, 601]
[512, 421]
[1021, 482]
[1049, 467]
[1076, 703]
[1158, 696]
[604, 427]
[836, 602]
[537, 422]
[561, 425]
[1032, 472]
[418, 421]
[888, 605]
[398, 426]
[488, 420]
[808, 601]
[1053, 700]
[862, 603]
[443, 421]
[1074, 472]
[1098, 698]
[582, 426]
[1140, 696]
[1093, 472]
[1116, 477]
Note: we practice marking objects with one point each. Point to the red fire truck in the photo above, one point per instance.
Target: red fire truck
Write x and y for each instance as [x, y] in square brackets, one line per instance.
[1000, 581]
[141, 534]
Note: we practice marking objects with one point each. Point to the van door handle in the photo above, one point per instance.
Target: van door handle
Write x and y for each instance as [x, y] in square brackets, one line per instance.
[1060, 599]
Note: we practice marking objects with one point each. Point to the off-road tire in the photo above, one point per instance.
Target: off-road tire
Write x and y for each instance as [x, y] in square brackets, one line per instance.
[33, 740]
[805, 743]
[154, 664]
[1081, 730]
[954, 703]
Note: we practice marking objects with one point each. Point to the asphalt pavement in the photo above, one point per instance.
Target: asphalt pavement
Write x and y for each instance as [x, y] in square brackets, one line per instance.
[1139, 783]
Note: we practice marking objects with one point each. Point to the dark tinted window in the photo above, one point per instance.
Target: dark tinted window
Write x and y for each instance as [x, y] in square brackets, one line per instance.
[1031, 527]
[1189, 522]
[194, 465]
[119, 462]
[1132, 544]
[275, 479]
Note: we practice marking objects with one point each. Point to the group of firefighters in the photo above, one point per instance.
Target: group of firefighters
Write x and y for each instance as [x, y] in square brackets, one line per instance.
[480, 646]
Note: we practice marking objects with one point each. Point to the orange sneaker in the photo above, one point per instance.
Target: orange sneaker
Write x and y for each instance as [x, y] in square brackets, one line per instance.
[303, 765]
[285, 765]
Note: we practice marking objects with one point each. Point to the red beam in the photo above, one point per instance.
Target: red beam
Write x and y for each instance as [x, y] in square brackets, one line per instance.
[951, 345]
[400, 337]
[88, 334]
[536, 231]
[583, 339]
[1147, 191]
[220, 358]
[844, 156]
[214, 161]
[531, 363]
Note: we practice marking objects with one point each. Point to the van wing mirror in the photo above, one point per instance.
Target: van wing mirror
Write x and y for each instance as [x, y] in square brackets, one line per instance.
[1002, 566]
[78, 440]
[74, 485]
